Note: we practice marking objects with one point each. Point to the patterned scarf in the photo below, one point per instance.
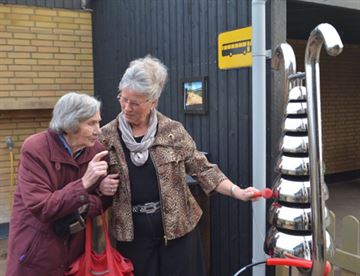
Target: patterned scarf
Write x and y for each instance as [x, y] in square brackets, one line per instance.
[139, 152]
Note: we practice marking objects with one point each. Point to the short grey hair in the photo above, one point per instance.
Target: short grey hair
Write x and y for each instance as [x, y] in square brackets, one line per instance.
[70, 110]
[145, 76]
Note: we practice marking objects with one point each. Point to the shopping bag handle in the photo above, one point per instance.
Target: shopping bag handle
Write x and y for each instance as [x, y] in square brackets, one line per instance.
[88, 245]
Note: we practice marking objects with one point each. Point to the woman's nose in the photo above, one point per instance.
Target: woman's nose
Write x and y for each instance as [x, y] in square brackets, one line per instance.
[127, 106]
[97, 129]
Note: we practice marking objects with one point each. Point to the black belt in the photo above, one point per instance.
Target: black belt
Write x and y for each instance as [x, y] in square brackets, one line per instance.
[147, 208]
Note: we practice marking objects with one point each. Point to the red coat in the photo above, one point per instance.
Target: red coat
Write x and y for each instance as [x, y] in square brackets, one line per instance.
[49, 187]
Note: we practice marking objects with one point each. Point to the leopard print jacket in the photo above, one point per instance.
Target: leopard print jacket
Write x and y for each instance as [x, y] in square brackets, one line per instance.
[174, 155]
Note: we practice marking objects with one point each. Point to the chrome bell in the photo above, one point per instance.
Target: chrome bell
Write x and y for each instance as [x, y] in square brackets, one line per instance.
[282, 217]
[292, 218]
[292, 191]
[298, 93]
[282, 245]
[296, 108]
[296, 125]
[294, 165]
[295, 144]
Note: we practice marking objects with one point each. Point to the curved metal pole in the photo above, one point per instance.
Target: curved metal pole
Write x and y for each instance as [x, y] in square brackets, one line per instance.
[323, 33]
[284, 56]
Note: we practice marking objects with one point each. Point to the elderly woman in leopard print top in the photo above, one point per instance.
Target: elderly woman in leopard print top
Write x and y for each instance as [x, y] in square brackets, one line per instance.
[154, 215]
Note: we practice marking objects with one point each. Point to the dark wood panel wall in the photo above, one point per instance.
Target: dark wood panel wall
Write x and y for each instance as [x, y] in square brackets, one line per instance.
[183, 34]
[66, 4]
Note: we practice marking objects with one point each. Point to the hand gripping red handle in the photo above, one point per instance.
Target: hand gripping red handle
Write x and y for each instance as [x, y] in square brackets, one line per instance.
[266, 193]
[295, 262]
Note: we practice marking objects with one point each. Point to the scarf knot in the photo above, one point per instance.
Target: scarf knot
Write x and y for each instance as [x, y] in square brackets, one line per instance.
[139, 152]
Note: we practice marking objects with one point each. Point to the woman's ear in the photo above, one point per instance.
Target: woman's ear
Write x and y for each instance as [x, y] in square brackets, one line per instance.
[154, 104]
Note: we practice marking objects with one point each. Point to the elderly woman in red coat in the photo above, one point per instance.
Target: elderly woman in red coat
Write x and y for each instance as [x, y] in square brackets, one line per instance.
[58, 170]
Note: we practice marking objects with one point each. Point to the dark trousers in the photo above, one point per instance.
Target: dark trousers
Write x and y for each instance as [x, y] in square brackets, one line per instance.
[150, 255]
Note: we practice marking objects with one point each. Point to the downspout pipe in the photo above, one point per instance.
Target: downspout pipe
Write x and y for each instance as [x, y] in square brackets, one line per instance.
[258, 130]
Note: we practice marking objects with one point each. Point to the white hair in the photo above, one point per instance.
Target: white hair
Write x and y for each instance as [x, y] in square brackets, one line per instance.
[70, 110]
[145, 76]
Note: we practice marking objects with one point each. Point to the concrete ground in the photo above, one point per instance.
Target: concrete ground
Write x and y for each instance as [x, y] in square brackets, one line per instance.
[344, 200]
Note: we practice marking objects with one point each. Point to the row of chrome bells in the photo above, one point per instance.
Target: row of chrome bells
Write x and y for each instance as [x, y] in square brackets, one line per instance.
[290, 214]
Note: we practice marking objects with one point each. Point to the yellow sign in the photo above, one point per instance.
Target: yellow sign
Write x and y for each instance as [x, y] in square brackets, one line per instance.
[235, 48]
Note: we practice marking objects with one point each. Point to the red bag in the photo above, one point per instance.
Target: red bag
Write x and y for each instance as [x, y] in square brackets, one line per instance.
[108, 263]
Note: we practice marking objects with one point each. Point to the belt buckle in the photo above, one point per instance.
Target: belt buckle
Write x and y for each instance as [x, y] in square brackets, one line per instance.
[148, 208]
[77, 226]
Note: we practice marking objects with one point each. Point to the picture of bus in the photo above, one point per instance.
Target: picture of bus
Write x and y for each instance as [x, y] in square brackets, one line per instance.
[236, 48]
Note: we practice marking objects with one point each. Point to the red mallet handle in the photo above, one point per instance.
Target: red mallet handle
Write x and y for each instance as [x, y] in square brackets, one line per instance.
[266, 193]
[296, 262]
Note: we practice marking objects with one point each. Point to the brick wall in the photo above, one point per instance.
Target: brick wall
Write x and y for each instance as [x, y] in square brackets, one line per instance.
[44, 53]
[340, 100]
[18, 125]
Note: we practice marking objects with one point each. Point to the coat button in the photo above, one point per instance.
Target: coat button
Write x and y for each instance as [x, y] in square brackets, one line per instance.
[82, 198]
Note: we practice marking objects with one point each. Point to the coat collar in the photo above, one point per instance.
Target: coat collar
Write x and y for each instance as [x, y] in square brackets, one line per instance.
[60, 155]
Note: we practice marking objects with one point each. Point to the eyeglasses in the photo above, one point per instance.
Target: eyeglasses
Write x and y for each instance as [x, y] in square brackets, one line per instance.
[124, 101]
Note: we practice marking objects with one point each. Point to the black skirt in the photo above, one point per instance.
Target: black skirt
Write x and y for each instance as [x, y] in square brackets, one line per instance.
[152, 257]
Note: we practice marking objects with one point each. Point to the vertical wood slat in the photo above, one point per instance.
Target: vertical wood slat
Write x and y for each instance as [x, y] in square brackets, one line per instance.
[282, 271]
[203, 68]
[179, 71]
[350, 239]
[348, 256]
[350, 234]
[195, 60]
[223, 206]
[49, 3]
[214, 129]
[332, 232]
[167, 24]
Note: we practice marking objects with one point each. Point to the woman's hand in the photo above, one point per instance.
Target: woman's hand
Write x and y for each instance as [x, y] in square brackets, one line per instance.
[96, 168]
[228, 188]
[245, 194]
[109, 185]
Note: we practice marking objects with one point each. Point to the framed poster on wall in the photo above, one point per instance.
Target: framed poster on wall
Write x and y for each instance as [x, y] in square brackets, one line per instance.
[195, 95]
